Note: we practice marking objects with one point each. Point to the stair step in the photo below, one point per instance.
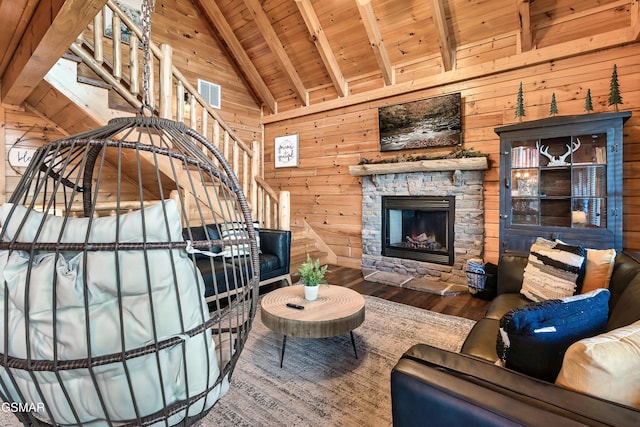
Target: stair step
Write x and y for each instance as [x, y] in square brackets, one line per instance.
[303, 245]
[297, 232]
[117, 102]
[71, 57]
[297, 260]
[87, 76]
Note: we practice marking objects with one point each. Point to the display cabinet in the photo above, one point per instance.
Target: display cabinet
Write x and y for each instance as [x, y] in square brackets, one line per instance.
[561, 178]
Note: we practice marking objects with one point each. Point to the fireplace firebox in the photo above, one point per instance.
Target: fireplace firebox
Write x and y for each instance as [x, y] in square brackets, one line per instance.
[418, 228]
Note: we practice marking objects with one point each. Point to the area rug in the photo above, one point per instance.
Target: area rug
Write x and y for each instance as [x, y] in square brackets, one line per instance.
[416, 283]
[322, 383]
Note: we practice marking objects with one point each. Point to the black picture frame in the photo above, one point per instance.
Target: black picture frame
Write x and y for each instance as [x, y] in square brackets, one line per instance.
[426, 123]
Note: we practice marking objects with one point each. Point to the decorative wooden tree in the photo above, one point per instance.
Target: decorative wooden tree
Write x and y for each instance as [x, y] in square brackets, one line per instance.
[588, 105]
[614, 89]
[520, 104]
[553, 110]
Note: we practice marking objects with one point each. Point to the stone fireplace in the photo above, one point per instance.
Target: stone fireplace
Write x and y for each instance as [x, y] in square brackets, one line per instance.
[448, 194]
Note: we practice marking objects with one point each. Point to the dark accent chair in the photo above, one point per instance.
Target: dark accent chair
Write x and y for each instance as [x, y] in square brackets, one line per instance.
[223, 275]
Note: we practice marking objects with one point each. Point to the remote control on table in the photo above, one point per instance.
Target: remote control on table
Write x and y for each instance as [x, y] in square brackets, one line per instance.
[296, 306]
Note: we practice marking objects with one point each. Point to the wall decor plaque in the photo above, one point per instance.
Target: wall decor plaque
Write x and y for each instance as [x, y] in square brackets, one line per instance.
[286, 151]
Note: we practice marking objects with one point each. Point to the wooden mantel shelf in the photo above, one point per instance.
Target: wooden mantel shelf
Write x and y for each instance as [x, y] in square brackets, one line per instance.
[467, 163]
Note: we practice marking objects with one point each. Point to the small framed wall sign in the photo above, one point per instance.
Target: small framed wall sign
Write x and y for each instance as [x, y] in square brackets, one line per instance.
[286, 151]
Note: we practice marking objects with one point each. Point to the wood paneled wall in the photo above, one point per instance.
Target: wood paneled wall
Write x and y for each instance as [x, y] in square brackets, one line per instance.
[329, 199]
[24, 125]
[33, 131]
[198, 54]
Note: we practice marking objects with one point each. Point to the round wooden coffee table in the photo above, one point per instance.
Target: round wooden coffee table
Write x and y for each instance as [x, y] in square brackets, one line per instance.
[337, 310]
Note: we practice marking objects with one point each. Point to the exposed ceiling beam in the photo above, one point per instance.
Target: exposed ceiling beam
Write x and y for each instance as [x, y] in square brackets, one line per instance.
[13, 15]
[531, 58]
[524, 17]
[216, 19]
[375, 39]
[553, 22]
[322, 43]
[444, 38]
[270, 36]
[55, 24]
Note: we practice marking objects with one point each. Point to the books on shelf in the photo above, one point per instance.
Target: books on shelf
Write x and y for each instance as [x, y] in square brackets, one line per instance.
[524, 157]
[587, 182]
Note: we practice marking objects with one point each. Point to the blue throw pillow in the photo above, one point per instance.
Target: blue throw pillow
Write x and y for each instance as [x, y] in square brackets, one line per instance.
[534, 338]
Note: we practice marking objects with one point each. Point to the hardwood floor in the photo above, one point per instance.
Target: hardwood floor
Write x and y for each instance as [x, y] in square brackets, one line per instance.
[463, 305]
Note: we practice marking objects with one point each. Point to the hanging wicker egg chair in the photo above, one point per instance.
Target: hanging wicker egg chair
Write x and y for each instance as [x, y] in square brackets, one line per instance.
[103, 308]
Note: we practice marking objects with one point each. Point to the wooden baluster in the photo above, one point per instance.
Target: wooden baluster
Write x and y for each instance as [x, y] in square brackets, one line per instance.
[180, 101]
[267, 211]
[235, 158]
[205, 124]
[134, 80]
[284, 211]
[245, 173]
[255, 171]
[117, 47]
[166, 77]
[98, 38]
[193, 122]
[225, 145]
[260, 205]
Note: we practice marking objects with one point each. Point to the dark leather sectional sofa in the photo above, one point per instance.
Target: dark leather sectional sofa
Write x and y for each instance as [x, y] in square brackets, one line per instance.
[435, 387]
[221, 275]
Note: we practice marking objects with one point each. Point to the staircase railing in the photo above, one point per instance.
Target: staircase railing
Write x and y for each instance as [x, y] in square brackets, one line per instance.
[118, 61]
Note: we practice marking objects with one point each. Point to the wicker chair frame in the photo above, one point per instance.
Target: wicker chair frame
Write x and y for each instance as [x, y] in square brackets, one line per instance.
[129, 164]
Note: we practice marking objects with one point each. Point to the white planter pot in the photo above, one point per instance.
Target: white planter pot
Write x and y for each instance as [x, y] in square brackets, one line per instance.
[311, 292]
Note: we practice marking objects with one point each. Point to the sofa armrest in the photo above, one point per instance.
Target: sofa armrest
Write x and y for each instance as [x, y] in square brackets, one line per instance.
[510, 272]
[278, 243]
[449, 388]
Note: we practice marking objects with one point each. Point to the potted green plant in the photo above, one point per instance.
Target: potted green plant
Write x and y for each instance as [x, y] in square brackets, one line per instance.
[311, 275]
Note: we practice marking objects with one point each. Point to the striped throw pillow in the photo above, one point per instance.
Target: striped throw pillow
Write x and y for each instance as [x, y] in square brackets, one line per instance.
[554, 270]
[232, 232]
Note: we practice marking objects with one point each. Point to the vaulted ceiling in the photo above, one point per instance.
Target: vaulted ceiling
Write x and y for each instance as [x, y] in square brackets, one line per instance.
[301, 56]
[307, 55]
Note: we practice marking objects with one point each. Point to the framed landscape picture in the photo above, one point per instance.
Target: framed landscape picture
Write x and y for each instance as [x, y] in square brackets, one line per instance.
[286, 151]
[432, 122]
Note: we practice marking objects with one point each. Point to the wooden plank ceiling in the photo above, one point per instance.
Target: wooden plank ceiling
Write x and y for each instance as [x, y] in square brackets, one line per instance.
[304, 56]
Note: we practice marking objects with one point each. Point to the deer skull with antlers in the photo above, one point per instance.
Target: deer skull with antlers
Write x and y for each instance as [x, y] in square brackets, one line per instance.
[561, 160]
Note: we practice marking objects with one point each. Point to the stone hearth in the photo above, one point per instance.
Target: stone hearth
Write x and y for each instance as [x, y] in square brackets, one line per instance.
[466, 185]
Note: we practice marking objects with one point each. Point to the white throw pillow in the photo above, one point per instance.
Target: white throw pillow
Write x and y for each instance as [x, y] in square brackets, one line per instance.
[155, 279]
[606, 366]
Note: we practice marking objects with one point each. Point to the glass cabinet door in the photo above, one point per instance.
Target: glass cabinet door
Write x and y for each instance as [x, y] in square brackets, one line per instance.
[561, 178]
[589, 182]
[525, 207]
[559, 182]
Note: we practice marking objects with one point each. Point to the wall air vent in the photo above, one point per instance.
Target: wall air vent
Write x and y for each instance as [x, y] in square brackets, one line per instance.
[210, 92]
